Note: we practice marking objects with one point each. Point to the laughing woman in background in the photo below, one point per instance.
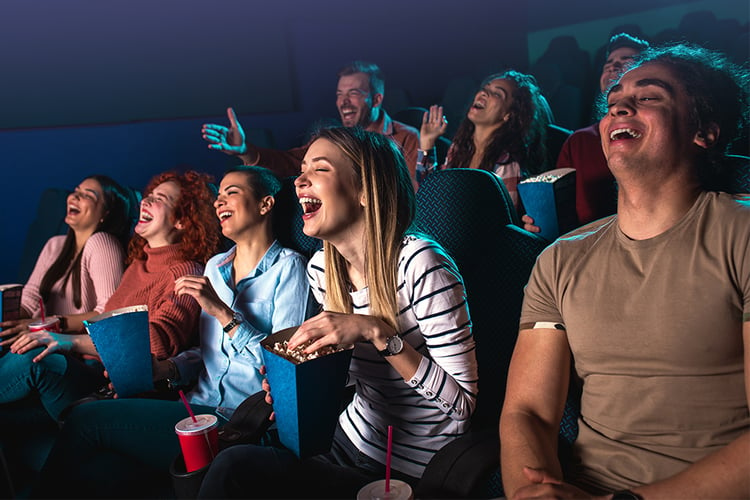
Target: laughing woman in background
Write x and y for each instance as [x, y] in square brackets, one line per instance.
[503, 132]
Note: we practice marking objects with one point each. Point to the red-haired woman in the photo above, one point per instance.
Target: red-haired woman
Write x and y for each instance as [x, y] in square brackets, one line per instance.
[176, 234]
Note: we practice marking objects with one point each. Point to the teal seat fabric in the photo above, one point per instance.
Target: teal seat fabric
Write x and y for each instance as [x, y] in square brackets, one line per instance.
[469, 212]
[48, 222]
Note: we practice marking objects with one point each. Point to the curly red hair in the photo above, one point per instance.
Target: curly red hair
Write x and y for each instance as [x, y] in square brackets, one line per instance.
[194, 208]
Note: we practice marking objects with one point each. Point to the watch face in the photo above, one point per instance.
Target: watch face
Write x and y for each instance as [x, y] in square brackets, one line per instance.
[395, 345]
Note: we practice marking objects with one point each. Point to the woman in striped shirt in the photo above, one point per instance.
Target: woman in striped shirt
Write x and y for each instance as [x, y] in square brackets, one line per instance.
[400, 300]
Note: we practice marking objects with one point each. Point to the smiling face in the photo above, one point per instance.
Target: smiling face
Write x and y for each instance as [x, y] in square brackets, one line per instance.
[355, 101]
[615, 64]
[491, 107]
[329, 193]
[156, 223]
[85, 206]
[238, 208]
[648, 125]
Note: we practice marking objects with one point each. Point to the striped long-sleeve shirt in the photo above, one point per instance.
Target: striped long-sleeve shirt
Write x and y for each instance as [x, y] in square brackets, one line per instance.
[435, 405]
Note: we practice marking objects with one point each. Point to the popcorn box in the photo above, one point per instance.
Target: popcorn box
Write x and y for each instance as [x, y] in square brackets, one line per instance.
[307, 396]
[10, 295]
[122, 340]
[550, 199]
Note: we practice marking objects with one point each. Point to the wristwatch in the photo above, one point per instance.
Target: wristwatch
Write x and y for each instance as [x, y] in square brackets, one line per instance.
[236, 320]
[393, 346]
[625, 495]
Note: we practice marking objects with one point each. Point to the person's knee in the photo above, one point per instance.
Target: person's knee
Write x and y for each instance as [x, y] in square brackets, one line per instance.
[242, 468]
[235, 459]
[54, 364]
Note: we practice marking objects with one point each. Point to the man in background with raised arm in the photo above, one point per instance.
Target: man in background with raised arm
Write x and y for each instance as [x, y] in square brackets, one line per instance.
[359, 99]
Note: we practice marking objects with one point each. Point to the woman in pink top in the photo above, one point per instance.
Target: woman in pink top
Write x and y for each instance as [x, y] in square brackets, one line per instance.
[76, 274]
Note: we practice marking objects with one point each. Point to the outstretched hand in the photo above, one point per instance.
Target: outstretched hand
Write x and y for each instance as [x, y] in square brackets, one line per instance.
[434, 124]
[230, 140]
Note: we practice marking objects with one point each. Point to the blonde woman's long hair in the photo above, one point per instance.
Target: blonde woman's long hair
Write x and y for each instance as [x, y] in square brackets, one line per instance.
[389, 209]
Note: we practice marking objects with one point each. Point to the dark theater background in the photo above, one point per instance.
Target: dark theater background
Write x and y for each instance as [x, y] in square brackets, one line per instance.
[122, 87]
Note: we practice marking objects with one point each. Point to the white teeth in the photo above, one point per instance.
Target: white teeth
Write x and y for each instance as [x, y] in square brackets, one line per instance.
[312, 201]
[310, 205]
[629, 131]
[146, 217]
[225, 215]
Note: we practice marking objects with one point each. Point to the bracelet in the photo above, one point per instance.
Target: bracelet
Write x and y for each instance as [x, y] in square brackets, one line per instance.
[172, 370]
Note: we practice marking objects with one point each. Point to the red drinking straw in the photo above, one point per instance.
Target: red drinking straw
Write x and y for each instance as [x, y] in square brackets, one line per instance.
[388, 460]
[41, 308]
[187, 405]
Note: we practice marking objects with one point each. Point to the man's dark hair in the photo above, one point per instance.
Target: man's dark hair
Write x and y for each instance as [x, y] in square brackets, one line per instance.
[717, 87]
[621, 40]
[377, 82]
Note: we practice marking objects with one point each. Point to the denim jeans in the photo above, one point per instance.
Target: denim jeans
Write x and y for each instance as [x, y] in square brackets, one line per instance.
[58, 379]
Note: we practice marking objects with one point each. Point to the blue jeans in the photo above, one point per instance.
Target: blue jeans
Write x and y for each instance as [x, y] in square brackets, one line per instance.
[252, 471]
[117, 447]
[58, 379]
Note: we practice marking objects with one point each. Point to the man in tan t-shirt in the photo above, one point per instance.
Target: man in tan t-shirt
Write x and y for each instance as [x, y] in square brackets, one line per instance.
[650, 307]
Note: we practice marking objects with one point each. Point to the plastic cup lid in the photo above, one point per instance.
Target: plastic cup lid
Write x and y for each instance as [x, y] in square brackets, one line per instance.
[186, 426]
[47, 322]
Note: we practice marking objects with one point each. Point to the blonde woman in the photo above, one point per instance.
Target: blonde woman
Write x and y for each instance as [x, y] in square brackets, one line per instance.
[399, 299]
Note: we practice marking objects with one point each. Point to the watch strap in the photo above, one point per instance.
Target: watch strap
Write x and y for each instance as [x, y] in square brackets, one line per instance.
[236, 319]
[390, 340]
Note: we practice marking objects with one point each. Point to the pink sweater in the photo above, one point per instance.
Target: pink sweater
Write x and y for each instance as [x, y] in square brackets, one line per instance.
[173, 321]
[102, 264]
